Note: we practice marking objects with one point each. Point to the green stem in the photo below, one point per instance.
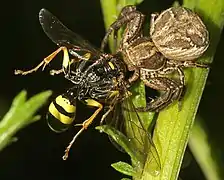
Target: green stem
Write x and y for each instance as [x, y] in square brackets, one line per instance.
[109, 9]
[205, 153]
[173, 127]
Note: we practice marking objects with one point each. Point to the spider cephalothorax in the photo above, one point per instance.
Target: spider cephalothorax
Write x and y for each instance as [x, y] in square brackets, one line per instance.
[177, 38]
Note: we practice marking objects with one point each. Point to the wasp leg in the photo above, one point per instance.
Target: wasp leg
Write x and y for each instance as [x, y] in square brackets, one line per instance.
[56, 72]
[115, 95]
[59, 71]
[70, 144]
[47, 60]
[172, 91]
[85, 124]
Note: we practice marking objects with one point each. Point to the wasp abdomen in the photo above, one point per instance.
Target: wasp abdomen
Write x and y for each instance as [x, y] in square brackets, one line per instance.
[61, 114]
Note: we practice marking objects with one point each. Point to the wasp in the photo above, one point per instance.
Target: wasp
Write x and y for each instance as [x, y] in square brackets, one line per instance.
[98, 78]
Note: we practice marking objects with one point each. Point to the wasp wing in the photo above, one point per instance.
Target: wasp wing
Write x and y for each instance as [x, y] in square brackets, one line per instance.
[62, 36]
[115, 120]
[140, 137]
[139, 143]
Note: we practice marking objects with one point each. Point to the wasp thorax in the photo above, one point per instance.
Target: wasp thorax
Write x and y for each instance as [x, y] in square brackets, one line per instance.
[179, 34]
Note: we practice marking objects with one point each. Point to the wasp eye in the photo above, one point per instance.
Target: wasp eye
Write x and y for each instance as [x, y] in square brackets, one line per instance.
[61, 114]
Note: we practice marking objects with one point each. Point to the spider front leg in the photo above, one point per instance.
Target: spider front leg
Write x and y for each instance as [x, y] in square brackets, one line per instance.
[124, 12]
[172, 91]
[128, 13]
[65, 64]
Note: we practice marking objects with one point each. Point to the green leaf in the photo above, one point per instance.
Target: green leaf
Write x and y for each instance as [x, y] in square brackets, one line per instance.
[120, 139]
[142, 142]
[20, 115]
[173, 127]
[123, 3]
[124, 168]
[109, 9]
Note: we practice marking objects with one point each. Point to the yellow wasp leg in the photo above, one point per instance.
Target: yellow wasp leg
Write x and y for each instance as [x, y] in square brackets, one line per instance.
[113, 95]
[47, 60]
[56, 72]
[85, 124]
[59, 71]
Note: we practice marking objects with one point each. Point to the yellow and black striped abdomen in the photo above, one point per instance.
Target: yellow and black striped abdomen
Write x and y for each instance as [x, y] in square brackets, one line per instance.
[61, 114]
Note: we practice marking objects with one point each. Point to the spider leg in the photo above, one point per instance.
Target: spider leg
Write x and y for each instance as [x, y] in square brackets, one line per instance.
[172, 91]
[127, 14]
[190, 64]
[134, 76]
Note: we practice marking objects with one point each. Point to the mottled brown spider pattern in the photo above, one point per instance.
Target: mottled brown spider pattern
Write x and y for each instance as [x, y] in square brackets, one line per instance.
[177, 38]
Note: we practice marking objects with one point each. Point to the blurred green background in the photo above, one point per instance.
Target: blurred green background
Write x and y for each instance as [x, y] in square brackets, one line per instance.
[37, 154]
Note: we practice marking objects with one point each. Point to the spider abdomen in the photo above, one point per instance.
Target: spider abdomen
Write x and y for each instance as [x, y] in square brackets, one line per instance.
[179, 34]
